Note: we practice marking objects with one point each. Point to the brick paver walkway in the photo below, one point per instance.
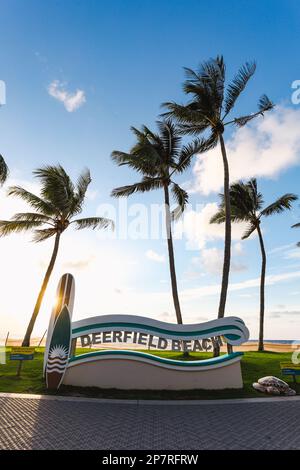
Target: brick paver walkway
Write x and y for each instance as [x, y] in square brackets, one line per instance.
[27, 423]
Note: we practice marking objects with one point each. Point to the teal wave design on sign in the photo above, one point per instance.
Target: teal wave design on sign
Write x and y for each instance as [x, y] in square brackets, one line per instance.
[142, 327]
[189, 364]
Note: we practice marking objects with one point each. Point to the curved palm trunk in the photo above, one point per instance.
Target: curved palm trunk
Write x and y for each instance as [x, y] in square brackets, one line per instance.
[262, 291]
[227, 244]
[171, 256]
[26, 340]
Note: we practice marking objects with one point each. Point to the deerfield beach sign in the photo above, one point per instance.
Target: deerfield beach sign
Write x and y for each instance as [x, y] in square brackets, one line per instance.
[132, 368]
[148, 340]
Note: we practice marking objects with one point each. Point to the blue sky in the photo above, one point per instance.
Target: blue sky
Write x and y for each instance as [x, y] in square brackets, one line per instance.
[125, 58]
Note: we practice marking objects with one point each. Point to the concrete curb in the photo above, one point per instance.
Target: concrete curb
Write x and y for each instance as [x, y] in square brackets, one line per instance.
[228, 401]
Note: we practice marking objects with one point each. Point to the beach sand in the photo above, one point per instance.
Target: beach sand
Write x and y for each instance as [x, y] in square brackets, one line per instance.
[269, 346]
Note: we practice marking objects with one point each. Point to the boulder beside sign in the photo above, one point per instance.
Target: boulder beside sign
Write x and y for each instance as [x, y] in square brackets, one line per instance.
[22, 354]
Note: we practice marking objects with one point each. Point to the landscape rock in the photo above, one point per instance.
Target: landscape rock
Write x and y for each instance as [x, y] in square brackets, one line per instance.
[273, 390]
[290, 392]
[258, 387]
[271, 381]
[273, 386]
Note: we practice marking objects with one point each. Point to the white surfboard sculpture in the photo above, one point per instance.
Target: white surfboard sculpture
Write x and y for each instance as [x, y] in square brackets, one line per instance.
[65, 294]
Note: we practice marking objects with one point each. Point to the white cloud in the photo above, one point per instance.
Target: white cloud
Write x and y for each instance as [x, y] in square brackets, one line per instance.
[214, 289]
[292, 254]
[211, 260]
[199, 231]
[281, 248]
[262, 149]
[150, 254]
[284, 313]
[71, 101]
[92, 194]
[238, 248]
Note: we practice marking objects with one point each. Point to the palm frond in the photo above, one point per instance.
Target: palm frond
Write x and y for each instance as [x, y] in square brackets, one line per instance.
[34, 201]
[244, 203]
[180, 196]
[189, 114]
[264, 105]
[16, 226]
[140, 135]
[33, 217]
[281, 204]
[148, 153]
[147, 133]
[296, 225]
[43, 234]
[248, 231]
[190, 150]
[3, 170]
[187, 153]
[147, 184]
[82, 185]
[256, 197]
[56, 187]
[244, 200]
[209, 71]
[243, 120]
[238, 84]
[209, 88]
[218, 217]
[93, 223]
[176, 213]
[235, 216]
[191, 128]
[138, 162]
[120, 158]
[170, 138]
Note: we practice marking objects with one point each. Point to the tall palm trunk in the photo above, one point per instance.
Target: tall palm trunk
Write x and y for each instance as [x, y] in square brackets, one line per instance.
[262, 290]
[26, 340]
[227, 247]
[171, 255]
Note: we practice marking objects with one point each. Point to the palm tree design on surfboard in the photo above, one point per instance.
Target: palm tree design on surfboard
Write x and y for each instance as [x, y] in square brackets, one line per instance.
[59, 350]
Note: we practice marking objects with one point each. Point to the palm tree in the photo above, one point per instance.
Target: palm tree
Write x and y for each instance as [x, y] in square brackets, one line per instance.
[208, 111]
[246, 206]
[296, 226]
[156, 157]
[59, 202]
[3, 171]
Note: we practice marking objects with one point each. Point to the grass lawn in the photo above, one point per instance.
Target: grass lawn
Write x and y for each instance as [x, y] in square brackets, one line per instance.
[254, 366]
